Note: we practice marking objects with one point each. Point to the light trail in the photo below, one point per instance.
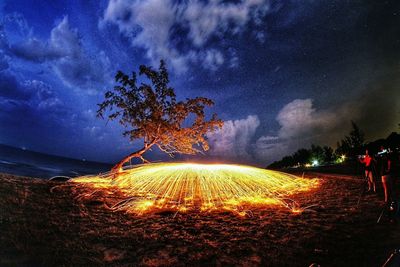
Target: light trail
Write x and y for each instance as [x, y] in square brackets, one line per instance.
[202, 187]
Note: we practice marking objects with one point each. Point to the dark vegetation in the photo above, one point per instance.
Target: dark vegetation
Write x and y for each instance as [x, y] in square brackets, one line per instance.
[345, 154]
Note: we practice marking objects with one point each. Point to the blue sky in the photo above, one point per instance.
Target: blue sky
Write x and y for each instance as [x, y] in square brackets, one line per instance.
[283, 74]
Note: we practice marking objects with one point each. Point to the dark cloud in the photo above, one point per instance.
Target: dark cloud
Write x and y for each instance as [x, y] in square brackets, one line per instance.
[11, 88]
[84, 73]
[37, 51]
[283, 74]
[3, 38]
[70, 61]
[29, 110]
[376, 111]
[17, 22]
[44, 97]
[32, 95]
[3, 62]
[8, 105]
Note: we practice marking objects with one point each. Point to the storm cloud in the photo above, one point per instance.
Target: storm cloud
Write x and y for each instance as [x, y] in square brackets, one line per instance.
[376, 112]
[65, 53]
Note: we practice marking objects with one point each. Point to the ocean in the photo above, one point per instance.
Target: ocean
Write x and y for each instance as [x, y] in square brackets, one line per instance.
[22, 162]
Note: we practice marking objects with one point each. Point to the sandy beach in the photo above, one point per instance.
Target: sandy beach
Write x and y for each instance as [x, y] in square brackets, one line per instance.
[44, 223]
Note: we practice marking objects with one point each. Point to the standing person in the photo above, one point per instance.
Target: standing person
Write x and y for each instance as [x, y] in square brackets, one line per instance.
[368, 161]
[394, 158]
[386, 172]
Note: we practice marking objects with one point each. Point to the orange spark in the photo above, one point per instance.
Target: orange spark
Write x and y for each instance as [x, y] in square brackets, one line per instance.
[203, 187]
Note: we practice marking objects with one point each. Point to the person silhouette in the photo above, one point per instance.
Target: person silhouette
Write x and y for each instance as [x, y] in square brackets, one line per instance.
[369, 162]
[386, 169]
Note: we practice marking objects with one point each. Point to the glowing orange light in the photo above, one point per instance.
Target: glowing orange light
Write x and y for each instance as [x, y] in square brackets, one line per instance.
[203, 187]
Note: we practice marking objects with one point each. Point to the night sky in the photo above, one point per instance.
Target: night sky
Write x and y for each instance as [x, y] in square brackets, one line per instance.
[283, 74]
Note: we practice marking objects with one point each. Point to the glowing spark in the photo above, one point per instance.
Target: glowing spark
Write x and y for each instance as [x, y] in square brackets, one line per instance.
[203, 187]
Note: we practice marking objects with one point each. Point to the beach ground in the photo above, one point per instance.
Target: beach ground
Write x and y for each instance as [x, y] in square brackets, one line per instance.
[45, 224]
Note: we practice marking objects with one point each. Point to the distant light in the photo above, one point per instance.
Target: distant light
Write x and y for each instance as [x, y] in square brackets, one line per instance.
[341, 159]
[315, 162]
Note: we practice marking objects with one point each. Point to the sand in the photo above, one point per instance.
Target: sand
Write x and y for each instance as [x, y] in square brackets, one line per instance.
[46, 223]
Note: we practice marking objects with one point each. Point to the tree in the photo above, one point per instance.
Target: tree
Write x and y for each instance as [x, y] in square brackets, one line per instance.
[302, 156]
[317, 153]
[356, 137]
[352, 143]
[151, 112]
[328, 154]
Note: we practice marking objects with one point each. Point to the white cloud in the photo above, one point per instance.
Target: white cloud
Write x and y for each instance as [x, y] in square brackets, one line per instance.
[260, 36]
[213, 59]
[217, 18]
[150, 25]
[234, 138]
[65, 39]
[299, 118]
[302, 125]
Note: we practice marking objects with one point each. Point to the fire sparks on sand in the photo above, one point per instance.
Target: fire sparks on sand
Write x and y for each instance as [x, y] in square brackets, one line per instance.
[185, 187]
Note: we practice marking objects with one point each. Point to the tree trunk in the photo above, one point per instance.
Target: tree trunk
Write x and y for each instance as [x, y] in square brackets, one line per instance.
[138, 154]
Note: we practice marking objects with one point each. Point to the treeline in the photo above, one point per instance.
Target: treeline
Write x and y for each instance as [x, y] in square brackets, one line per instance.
[348, 148]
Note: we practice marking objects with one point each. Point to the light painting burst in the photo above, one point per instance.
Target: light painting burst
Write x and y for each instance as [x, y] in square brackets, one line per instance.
[201, 187]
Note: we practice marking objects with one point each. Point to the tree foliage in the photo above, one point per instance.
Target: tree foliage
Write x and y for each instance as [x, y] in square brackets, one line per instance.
[304, 156]
[351, 144]
[151, 112]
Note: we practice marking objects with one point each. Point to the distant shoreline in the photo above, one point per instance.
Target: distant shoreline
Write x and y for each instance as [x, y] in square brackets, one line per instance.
[33, 164]
[4, 146]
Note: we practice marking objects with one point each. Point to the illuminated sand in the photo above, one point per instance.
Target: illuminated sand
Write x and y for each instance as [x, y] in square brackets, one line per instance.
[201, 187]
